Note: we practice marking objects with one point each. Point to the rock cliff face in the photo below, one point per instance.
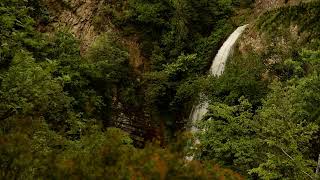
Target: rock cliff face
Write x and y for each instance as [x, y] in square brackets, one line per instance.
[76, 16]
[264, 5]
[257, 40]
[277, 41]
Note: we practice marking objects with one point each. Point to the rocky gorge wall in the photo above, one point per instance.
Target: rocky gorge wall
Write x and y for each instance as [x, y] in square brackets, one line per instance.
[76, 16]
[264, 5]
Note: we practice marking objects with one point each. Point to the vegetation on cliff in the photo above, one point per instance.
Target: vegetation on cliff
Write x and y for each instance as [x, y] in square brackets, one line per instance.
[57, 105]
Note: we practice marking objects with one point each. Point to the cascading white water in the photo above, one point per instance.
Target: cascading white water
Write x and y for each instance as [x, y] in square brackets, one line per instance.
[216, 69]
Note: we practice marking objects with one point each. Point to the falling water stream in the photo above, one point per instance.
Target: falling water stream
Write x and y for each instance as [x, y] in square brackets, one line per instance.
[216, 69]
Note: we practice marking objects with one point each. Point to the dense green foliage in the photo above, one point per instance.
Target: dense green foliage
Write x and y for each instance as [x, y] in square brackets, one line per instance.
[268, 127]
[31, 150]
[280, 140]
[56, 105]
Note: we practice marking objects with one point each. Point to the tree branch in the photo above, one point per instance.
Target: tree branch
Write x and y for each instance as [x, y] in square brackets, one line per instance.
[293, 160]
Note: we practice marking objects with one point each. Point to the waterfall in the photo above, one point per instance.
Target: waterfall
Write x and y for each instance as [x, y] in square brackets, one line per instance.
[216, 69]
